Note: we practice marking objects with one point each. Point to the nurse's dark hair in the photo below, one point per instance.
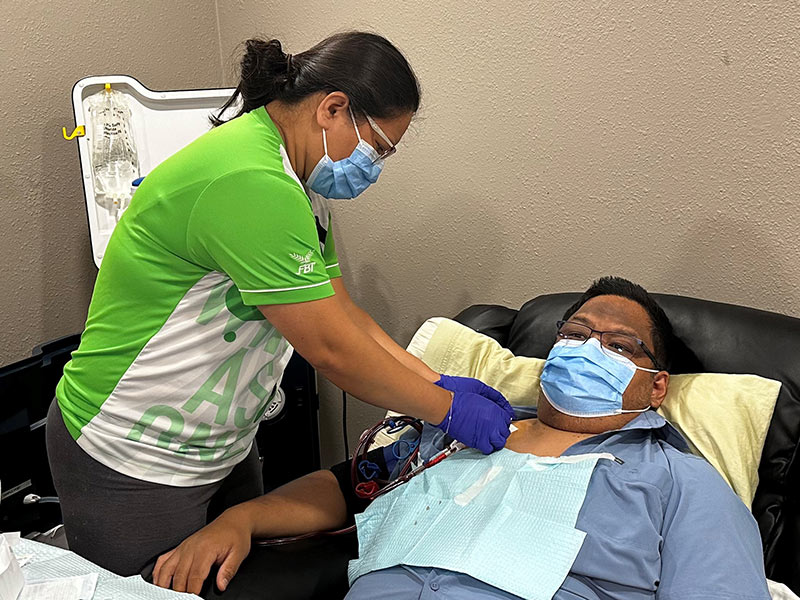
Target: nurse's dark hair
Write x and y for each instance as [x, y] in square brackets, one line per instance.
[660, 326]
[367, 67]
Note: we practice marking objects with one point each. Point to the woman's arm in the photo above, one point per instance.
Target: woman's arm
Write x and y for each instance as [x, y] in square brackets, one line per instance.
[312, 503]
[324, 333]
[362, 319]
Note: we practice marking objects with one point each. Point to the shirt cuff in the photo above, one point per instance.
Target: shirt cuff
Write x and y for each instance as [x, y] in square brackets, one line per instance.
[289, 295]
[333, 270]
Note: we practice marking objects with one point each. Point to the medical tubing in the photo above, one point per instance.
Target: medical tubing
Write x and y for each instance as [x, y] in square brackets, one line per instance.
[454, 447]
[393, 424]
[305, 536]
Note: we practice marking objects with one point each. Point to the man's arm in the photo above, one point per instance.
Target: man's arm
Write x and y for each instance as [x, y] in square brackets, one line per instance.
[312, 503]
[711, 545]
[367, 324]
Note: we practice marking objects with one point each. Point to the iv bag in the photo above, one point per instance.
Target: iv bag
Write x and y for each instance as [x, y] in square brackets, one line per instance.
[115, 162]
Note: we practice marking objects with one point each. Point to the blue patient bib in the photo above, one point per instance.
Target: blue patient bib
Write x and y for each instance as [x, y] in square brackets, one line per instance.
[507, 519]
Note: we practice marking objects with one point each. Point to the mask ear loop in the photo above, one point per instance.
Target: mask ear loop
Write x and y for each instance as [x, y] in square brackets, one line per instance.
[361, 140]
[355, 126]
[325, 142]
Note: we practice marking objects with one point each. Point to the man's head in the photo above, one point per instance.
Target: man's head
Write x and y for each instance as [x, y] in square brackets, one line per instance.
[613, 307]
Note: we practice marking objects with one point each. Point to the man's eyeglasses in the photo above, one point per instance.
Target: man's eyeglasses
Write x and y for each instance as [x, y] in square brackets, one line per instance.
[611, 342]
[382, 154]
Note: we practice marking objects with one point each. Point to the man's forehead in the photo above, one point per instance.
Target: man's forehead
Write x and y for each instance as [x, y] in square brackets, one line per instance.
[615, 313]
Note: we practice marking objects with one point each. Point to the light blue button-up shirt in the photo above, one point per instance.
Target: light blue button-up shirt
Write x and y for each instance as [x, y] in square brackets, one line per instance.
[664, 525]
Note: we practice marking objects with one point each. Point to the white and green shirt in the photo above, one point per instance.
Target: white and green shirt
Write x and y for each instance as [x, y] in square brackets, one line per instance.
[177, 365]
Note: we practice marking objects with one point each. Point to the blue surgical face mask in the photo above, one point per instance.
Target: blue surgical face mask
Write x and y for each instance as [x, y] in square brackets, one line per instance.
[581, 380]
[348, 177]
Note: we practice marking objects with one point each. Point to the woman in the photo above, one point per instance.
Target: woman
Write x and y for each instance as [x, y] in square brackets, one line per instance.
[222, 264]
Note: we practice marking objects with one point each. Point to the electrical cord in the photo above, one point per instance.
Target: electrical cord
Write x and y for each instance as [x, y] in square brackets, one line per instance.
[344, 426]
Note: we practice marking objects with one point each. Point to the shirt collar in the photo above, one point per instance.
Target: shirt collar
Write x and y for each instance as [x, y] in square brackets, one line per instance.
[660, 427]
[647, 421]
[262, 116]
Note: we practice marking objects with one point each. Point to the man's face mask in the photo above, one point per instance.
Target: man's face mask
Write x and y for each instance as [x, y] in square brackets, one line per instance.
[581, 380]
[348, 177]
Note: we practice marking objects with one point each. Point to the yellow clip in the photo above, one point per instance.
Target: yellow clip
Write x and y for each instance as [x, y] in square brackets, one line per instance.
[79, 131]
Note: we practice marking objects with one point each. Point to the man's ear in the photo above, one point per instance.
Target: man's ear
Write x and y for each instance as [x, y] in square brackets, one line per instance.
[330, 106]
[659, 391]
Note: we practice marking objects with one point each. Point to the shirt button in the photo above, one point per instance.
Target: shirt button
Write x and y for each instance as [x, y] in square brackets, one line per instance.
[434, 586]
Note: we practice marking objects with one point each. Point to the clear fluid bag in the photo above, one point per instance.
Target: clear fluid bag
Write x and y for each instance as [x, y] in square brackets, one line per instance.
[115, 162]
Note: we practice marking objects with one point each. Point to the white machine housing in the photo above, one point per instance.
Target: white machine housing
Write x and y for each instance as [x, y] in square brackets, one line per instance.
[162, 124]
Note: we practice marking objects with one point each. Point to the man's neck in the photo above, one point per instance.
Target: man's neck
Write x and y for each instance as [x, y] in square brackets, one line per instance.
[591, 425]
[535, 437]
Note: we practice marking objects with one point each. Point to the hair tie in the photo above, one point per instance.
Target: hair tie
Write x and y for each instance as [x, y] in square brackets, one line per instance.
[288, 62]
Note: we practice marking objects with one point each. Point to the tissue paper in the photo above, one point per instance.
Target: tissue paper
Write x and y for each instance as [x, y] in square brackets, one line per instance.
[11, 580]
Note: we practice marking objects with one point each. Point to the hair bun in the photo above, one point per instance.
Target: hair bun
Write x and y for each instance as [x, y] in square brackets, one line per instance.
[264, 68]
[263, 58]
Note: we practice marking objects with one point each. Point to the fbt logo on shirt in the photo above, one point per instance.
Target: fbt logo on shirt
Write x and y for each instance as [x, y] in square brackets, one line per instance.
[306, 264]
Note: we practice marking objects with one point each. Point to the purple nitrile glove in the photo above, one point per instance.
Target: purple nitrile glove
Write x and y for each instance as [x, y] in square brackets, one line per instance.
[477, 422]
[453, 383]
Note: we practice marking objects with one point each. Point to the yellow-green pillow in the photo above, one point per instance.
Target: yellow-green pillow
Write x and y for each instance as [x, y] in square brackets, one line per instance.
[723, 417]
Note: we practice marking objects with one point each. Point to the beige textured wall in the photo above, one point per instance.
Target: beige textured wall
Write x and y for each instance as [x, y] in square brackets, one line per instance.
[46, 271]
[560, 141]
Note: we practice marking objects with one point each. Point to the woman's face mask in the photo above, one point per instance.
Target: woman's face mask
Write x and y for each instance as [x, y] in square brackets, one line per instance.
[348, 177]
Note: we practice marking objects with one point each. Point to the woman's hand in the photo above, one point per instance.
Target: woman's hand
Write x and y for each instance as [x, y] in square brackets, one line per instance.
[225, 542]
[453, 383]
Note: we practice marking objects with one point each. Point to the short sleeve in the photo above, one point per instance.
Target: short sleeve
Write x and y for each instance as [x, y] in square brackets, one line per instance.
[258, 228]
[711, 545]
[330, 256]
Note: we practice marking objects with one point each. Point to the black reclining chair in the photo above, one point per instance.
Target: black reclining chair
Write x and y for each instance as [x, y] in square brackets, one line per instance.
[712, 337]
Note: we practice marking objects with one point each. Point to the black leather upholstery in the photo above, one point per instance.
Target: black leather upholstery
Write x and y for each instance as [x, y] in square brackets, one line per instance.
[712, 337]
[313, 569]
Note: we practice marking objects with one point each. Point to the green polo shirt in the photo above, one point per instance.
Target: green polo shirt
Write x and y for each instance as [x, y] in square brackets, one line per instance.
[177, 365]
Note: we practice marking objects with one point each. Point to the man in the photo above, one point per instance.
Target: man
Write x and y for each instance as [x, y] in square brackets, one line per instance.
[650, 521]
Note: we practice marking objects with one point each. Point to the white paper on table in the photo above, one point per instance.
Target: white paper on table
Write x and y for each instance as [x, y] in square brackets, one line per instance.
[39, 552]
[67, 564]
[11, 580]
[136, 588]
[12, 537]
[65, 588]
[50, 562]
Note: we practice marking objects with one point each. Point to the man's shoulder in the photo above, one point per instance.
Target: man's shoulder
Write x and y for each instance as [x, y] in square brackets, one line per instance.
[650, 458]
[693, 476]
[685, 464]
